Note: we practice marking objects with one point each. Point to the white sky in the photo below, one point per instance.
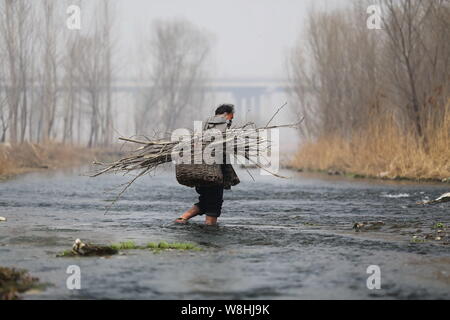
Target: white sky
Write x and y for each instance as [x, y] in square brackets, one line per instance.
[251, 37]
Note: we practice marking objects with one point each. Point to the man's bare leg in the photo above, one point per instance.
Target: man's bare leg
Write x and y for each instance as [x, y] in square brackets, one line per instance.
[210, 221]
[192, 212]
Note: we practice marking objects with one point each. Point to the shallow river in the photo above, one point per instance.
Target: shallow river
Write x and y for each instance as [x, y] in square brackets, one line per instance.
[277, 238]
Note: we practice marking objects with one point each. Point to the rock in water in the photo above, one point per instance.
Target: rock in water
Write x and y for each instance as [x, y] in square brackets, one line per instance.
[371, 225]
[443, 198]
[86, 249]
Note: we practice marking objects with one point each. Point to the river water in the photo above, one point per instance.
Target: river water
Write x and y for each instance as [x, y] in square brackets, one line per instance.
[277, 238]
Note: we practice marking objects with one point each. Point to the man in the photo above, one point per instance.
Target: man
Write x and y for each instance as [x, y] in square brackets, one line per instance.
[211, 197]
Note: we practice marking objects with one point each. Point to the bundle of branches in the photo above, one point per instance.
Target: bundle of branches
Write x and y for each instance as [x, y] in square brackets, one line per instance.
[247, 142]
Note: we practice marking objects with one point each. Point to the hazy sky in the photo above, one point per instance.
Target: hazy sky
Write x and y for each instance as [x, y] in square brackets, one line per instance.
[251, 37]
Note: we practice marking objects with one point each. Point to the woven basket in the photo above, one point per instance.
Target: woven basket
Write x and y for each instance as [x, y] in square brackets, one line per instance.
[199, 175]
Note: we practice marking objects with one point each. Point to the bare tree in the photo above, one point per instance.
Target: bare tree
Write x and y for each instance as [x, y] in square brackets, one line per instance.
[345, 76]
[49, 72]
[403, 27]
[3, 103]
[71, 84]
[93, 75]
[16, 30]
[179, 53]
[333, 72]
[90, 73]
[55, 87]
[108, 44]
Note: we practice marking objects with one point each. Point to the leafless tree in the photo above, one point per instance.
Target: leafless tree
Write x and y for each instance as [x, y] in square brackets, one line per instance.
[109, 44]
[49, 72]
[179, 53]
[16, 31]
[71, 84]
[418, 49]
[345, 76]
[333, 72]
[3, 103]
[91, 76]
[91, 56]
[57, 84]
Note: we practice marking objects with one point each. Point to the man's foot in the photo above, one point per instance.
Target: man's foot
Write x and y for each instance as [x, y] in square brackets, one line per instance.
[211, 221]
[192, 212]
[181, 220]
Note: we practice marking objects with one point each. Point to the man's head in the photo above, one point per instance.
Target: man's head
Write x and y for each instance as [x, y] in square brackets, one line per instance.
[227, 110]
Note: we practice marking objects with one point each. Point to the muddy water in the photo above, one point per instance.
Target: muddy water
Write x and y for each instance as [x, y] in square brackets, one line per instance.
[278, 239]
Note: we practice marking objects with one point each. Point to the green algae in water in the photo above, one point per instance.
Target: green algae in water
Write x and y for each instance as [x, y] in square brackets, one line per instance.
[417, 240]
[439, 225]
[163, 245]
[66, 253]
[126, 245]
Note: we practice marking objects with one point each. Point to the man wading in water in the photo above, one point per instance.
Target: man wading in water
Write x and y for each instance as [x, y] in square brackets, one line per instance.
[211, 197]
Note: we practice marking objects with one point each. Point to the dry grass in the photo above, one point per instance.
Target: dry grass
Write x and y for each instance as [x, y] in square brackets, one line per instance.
[20, 158]
[383, 150]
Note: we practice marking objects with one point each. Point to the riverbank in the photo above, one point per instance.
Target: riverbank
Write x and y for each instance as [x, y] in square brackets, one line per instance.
[16, 159]
[381, 151]
[318, 173]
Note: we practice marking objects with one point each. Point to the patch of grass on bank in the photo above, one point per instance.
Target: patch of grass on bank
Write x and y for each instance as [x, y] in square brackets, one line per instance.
[382, 150]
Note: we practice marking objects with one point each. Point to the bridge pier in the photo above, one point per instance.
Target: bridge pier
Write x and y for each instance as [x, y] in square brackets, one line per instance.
[252, 97]
[248, 105]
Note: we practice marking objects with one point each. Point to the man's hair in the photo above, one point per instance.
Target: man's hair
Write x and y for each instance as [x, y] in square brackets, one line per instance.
[225, 108]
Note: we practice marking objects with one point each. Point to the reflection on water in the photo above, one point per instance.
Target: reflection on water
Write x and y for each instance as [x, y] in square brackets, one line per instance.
[278, 238]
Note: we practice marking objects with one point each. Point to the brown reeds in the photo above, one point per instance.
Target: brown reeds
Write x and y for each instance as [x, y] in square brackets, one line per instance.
[24, 157]
[383, 150]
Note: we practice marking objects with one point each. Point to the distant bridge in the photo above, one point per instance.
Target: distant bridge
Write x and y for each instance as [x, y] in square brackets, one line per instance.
[246, 93]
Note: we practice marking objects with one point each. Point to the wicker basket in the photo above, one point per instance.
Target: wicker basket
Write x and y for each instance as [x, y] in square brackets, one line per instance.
[199, 175]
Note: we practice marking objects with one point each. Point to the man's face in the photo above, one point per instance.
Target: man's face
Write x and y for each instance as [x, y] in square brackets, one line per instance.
[229, 116]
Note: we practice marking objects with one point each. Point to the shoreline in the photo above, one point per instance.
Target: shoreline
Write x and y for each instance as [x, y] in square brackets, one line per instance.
[20, 159]
[359, 176]
[60, 156]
